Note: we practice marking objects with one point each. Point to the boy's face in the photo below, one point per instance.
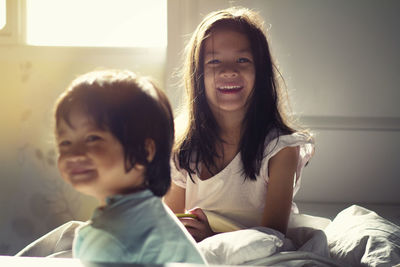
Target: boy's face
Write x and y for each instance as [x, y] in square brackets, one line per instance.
[92, 159]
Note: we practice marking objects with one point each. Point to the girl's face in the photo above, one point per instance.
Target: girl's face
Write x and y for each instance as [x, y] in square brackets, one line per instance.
[92, 159]
[229, 72]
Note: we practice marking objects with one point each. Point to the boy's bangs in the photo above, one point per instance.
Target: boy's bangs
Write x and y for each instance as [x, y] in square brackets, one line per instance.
[85, 103]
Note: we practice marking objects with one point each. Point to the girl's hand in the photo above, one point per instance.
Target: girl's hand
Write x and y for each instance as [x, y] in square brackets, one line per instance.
[199, 228]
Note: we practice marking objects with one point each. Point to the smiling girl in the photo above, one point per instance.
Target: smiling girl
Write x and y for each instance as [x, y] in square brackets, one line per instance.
[238, 161]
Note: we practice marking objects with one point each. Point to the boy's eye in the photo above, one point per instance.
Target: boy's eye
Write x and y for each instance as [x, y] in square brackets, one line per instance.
[64, 143]
[213, 61]
[243, 60]
[92, 138]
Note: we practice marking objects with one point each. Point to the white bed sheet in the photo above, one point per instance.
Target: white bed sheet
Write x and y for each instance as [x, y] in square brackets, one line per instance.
[356, 236]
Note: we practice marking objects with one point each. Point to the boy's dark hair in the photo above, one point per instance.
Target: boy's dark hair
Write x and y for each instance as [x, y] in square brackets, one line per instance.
[133, 109]
[265, 111]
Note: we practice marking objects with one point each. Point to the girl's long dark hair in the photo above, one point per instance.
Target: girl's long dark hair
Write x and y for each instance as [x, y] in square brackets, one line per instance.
[198, 140]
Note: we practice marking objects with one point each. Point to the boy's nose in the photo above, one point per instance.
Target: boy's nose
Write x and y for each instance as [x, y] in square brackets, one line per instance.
[76, 154]
[76, 157]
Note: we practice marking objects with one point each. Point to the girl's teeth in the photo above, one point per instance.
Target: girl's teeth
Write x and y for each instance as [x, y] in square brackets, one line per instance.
[229, 87]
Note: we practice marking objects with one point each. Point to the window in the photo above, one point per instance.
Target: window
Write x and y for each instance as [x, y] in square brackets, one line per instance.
[3, 14]
[117, 23]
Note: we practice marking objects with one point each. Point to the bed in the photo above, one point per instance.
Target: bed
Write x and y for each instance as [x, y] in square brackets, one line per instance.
[356, 236]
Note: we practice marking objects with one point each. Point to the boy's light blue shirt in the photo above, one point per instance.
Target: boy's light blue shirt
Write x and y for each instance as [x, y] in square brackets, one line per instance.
[135, 228]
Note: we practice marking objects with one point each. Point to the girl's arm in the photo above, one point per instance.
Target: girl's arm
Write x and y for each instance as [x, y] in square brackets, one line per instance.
[281, 169]
[198, 227]
[175, 198]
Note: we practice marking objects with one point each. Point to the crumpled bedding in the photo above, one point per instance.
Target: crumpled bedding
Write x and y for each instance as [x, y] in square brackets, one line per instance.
[356, 237]
[55, 244]
[265, 246]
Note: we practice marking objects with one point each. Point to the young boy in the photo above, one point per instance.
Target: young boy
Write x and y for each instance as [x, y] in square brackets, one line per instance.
[114, 134]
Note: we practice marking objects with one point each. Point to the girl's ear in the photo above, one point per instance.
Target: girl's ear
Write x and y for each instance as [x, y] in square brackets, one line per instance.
[150, 147]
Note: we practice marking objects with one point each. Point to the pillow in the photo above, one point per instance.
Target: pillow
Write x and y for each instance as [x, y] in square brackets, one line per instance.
[241, 246]
[57, 243]
[304, 220]
[358, 236]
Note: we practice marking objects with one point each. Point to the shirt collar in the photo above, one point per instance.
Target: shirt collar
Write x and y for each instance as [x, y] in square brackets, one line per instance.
[116, 200]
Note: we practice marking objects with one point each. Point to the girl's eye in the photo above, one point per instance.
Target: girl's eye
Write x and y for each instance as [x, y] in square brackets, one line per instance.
[92, 138]
[213, 61]
[243, 60]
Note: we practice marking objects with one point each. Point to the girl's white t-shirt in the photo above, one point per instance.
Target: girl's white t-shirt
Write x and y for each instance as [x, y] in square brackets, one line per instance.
[231, 202]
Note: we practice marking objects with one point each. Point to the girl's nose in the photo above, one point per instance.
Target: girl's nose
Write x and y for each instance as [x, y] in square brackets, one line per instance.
[229, 72]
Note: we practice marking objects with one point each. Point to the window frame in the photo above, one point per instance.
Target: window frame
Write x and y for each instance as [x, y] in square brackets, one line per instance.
[5, 12]
[12, 33]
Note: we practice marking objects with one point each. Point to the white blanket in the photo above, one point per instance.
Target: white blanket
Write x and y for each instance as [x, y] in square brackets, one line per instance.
[356, 237]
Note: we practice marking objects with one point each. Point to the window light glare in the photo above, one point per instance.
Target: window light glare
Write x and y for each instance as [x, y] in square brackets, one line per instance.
[3, 14]
[97, 23]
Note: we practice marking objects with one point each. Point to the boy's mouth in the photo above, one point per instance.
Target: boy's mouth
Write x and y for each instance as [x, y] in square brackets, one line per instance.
[81, 174]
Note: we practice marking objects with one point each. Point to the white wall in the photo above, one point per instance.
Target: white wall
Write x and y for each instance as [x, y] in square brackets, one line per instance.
[342, 53]
[340, 61]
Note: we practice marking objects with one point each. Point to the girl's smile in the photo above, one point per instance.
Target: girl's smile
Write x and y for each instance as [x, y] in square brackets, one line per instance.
[229, 89]
[229, 72]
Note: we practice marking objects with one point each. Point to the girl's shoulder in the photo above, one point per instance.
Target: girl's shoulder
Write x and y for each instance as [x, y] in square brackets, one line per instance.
[275, 142]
